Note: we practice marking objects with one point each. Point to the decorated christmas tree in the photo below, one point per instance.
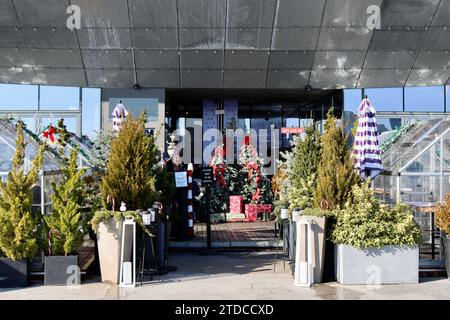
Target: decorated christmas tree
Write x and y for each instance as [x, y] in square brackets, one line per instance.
[130, 172]
[256, 187]
[65, 224]
[226, 181]
[335, 173]
[18, 227]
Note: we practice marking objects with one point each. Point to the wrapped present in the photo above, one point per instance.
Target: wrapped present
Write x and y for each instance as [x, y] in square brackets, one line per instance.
[236, 203]
[252, 210]
[251, 217]
[235, 217]
[264, 207]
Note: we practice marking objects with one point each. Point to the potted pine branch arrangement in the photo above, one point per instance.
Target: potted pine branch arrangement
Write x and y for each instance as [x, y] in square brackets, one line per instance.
[443, 223]
[65, 226]
[18, 226]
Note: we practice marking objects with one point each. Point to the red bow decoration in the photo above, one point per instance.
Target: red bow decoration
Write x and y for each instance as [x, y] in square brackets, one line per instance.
[218, 175]
[257, 194]
[252, 166]
[218, 169]
[48, 134]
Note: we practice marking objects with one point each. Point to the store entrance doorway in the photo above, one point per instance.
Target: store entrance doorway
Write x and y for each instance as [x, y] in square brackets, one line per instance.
[245, 184]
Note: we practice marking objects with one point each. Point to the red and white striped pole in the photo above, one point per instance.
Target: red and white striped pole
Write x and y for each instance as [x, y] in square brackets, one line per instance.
[190, 207]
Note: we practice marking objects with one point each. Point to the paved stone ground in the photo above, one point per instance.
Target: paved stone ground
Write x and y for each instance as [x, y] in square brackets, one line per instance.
[231, 275]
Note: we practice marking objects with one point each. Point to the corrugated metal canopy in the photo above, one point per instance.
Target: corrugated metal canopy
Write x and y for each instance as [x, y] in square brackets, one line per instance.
[260, 44]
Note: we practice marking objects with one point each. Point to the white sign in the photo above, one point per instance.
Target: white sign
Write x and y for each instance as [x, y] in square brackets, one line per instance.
[181, 179]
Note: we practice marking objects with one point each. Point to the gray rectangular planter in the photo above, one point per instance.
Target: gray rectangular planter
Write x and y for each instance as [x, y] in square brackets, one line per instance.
[373, 266]
[61, 271]
[446, 244]
[13, 274]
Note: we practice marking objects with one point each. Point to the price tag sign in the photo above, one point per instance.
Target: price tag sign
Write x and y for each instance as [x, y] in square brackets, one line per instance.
[181, 179]
[207, 175]
[292, 130]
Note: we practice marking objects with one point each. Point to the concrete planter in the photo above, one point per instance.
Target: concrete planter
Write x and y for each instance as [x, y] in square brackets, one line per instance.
[109, 236]
[13, 274]
[61, 271]
[373, 266]
[446, 243]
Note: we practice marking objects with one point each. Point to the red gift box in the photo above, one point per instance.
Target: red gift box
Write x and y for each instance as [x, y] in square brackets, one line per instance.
[236, 203]
[265, 208]
[251, 217]
[252, 210]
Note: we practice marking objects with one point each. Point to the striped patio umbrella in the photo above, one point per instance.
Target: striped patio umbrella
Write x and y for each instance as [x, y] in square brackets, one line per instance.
[366, 149]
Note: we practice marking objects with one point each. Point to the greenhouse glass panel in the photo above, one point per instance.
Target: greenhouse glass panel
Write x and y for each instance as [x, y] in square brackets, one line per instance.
[428, 162]
[417, 137]
[419, 189]
[8, 135]
[446, 153]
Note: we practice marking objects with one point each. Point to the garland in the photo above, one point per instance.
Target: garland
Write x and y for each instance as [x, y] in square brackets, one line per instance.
[38, 139]
[104, 215]
[395, 136]
[48, 132]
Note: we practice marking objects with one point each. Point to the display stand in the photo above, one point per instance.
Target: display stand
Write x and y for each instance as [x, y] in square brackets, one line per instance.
[283, 230]
[148, 262]
[127, 275]
[304, 275]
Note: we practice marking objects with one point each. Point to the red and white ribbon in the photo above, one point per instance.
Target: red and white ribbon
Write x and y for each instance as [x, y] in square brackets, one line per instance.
[190, 209]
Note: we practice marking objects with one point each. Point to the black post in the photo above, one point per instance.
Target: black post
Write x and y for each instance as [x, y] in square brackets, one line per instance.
[208, 217]
[207, 180]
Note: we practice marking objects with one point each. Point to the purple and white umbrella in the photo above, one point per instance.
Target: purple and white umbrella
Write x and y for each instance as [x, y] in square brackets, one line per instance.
[366, 149]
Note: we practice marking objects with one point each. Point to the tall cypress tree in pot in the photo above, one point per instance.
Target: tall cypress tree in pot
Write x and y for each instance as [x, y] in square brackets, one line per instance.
[65, 226]
[335, 173]
[18, 227]
[129, 178]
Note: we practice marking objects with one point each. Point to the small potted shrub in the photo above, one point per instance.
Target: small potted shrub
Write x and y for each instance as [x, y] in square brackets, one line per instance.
[443, 223]
[375, 244]
[18, 227]
[65, 227]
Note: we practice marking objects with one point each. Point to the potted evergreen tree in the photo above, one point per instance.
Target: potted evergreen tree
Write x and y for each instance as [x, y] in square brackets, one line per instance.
[18, 227]
[129, 178]
[334, 180]
[443, 223]
[65, 226]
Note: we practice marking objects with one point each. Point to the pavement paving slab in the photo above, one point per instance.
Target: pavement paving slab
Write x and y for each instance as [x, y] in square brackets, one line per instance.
[240, 275]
